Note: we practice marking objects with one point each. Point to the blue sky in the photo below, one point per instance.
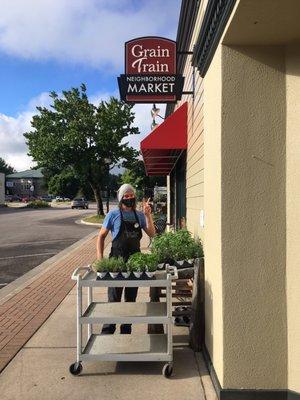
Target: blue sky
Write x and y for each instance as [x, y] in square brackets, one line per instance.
[50, 45]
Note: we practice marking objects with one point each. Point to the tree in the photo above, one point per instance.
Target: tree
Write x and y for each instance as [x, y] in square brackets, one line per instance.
[135, 174]
[64, 184]
[6, 168]
[133, 177]
[76, 134]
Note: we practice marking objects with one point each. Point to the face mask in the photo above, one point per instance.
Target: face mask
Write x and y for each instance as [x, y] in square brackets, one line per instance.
[128, 202]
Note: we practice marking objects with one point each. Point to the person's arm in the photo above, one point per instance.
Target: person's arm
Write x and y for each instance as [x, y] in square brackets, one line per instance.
[150, 228]
[100, 242]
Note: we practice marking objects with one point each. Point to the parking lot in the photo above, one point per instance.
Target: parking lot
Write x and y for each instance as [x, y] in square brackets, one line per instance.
[29, 237]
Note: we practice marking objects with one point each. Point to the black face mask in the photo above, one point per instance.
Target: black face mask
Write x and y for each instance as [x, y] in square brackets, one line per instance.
[128, 202]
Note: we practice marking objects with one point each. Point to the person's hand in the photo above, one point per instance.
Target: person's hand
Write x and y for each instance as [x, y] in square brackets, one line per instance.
[146, 207]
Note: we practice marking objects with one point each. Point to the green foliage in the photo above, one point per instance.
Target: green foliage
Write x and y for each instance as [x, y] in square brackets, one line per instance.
[142, 262]
[75, 134]
[64, 184]
[6, 168]
[132, 177]
[161, 246]
[176, 246]
[135, 174]
[38, 204]
[113, 264]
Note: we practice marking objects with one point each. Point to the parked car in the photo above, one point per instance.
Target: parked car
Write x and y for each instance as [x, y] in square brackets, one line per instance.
[59, 198]
[80, 203]
[46, 198]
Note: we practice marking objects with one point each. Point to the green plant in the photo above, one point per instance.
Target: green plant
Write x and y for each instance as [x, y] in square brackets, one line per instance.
[116, 264]
[151, 261]
[141, 262]
[179, 245]
[161, 246]
[135, 263]
[113, 264]
[38, 204]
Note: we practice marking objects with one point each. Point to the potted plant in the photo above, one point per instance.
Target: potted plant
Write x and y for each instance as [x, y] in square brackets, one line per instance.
[185, 248]
[140, 263]
[178, 247]
[116, 264]
[135, 264]
[162, 247]
[102, 267]
[125, 271]
[151, 262]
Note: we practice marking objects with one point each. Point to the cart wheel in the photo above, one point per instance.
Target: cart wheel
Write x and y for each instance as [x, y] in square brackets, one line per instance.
[167, 370]
[75, 368]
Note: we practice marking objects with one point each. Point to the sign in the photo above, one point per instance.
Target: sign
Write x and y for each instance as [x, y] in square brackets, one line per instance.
[9, 184]
[150, 72]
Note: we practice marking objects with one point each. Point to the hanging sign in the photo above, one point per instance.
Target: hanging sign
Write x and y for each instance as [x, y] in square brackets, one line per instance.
[150, 72]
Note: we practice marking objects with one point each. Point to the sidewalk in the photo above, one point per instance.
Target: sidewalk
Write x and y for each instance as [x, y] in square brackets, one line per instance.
[45, 310]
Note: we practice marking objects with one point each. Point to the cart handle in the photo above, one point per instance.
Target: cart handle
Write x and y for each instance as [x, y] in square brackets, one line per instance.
[77, 270]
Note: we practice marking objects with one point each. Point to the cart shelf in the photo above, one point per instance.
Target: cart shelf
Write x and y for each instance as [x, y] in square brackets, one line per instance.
[122, 313]
[90, 280]
[119, 347]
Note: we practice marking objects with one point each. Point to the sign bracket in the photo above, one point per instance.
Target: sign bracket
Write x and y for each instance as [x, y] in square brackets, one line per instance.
[191, 92]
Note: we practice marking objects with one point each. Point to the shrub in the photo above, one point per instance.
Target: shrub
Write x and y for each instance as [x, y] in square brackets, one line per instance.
[38, 204]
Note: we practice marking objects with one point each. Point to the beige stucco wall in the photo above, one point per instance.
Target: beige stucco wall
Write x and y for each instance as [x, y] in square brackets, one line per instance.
[293, 214]
[253, 217]
[212, 206]
[195, 146]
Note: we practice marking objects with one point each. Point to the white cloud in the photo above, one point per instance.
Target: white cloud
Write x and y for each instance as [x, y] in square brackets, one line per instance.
[12, 143]
[13, 148]
[91, 32]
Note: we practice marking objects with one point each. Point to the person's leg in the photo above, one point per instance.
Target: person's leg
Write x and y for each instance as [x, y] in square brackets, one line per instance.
[130, 296]
[114, 295]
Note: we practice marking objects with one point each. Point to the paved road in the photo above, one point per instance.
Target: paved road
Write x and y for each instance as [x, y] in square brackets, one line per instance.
[29, 237]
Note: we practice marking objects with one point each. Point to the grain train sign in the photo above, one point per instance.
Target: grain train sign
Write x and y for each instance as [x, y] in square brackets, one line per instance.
[150, 72]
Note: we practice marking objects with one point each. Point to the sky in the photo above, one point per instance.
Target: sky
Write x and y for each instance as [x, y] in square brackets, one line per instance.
[48, 45]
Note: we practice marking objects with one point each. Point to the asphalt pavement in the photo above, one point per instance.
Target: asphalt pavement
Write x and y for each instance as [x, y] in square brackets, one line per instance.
[29, 237]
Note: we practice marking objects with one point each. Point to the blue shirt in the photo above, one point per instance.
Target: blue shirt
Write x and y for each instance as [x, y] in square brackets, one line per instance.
[112, 221]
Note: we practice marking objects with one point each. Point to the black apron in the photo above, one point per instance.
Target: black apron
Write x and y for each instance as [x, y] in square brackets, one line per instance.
[127, 241]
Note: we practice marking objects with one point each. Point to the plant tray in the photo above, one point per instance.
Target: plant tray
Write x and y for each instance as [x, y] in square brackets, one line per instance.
[131, 277]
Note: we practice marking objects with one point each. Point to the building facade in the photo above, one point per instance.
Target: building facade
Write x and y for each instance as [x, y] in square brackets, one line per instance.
[236, 184]
[26, 183]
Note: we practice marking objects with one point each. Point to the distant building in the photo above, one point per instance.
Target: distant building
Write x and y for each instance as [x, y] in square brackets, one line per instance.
[2, 188]
[26, 183]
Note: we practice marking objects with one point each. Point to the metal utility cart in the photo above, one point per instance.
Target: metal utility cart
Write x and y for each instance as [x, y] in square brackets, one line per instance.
[145, 347]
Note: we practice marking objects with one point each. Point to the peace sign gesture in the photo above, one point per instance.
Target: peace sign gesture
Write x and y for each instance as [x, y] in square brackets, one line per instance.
[146, 207]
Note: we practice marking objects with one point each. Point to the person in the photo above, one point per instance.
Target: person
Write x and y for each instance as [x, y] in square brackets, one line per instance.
[125, 224]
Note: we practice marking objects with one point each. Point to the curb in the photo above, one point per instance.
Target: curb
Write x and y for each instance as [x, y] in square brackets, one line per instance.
[89, 223]
[18, 284]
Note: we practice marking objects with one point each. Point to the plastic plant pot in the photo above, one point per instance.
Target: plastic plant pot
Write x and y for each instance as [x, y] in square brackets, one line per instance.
[137, 274]
[114, 274]
[101, 274]
[150, 274]
[126, 275]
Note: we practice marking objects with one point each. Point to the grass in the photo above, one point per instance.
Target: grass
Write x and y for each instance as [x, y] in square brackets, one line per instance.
[95, 219]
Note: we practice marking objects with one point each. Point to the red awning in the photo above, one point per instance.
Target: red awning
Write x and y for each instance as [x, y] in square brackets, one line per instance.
[162, 147]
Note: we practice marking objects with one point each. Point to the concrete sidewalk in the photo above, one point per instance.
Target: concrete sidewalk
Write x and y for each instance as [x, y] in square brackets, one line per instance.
[40, 368]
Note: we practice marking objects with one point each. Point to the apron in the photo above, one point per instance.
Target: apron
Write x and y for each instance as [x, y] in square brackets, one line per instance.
[127, 241]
